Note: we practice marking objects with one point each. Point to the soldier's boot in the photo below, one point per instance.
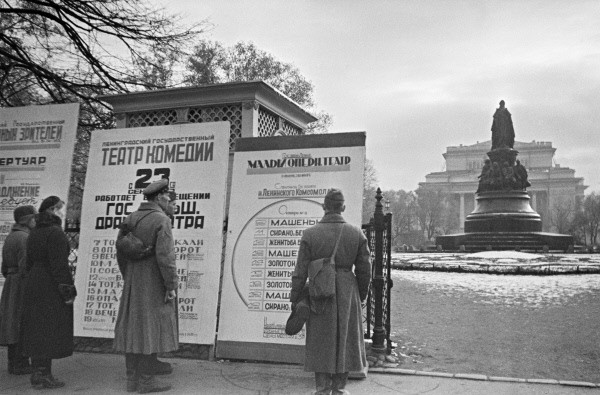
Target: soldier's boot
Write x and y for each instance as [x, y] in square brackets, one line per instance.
[147, 382]
[338, 383]
[131, 365]
[161, 367]
[323, 383]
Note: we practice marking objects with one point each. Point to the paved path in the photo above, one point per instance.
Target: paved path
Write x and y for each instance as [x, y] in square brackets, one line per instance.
[104, 374]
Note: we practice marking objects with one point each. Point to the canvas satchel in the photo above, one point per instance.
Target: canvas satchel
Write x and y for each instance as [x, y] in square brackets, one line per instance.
[321, 275]
[130, 246]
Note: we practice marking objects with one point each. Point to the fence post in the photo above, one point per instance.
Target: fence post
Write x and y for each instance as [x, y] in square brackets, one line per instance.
[378, 280]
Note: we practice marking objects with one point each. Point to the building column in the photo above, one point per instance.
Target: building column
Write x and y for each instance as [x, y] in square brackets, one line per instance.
[121, 120]
[461, 217]
[250, 118]
[534, 201]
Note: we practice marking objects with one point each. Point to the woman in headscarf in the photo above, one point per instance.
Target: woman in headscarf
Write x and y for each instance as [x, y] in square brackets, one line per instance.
[49, 295]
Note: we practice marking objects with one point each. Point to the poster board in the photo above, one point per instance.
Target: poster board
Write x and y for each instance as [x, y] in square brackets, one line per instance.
[36, 153]
[122, 162]
[278, 186]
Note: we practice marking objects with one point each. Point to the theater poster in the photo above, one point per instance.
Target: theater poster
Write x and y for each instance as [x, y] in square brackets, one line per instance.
[36, 152]
[122, 162]
[278, 186]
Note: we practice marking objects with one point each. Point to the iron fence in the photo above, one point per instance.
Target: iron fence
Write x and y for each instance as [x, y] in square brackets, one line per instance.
[377, 312]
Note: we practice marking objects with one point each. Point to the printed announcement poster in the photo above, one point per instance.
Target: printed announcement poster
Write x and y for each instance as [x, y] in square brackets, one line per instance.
[36, 151]
[122, 162]
[278, 186]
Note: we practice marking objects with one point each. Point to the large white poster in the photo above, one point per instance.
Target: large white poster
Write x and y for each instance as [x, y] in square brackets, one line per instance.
[278, 186]
[122, 162]
[36, 151]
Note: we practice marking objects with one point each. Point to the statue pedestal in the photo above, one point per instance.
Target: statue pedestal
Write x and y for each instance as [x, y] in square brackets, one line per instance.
[503, 211]
[504, 220]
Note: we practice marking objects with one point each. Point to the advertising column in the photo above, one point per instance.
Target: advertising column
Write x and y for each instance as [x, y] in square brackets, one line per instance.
[278, 186]
[122, 162]
[36, 152]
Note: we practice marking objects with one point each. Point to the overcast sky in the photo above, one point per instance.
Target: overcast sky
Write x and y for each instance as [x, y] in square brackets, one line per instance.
[419, 76]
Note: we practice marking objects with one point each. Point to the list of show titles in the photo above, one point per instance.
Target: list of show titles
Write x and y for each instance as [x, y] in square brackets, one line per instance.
[105, 281]
[274, 252]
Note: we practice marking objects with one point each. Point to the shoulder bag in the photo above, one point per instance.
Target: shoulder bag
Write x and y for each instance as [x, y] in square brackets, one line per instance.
[321, 275]
[130, 246]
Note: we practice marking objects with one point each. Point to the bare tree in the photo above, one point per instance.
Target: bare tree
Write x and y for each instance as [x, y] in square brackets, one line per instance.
[403, 206]
[430, 212]
[369, 191]
[562, 213]
[77, 49]
[591, 211]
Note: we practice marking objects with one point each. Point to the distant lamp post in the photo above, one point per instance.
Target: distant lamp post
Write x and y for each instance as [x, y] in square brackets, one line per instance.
[387, 206]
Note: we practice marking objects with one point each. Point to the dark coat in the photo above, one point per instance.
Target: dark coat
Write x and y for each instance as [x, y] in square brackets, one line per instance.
[334, 339]
[145, 323]
[47, 330]
[13, 269]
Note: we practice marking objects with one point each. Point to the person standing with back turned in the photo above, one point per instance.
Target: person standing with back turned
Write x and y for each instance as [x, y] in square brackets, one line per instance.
[334, 331]
[147, 319]
[11, 302]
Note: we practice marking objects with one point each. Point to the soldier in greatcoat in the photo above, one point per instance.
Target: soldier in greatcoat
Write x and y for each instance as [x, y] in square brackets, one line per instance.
[11, 302]
[147, 319]
[334, 331]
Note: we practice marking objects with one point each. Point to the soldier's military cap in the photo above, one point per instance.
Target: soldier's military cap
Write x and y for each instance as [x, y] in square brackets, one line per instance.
[157, 187]
[334, 195]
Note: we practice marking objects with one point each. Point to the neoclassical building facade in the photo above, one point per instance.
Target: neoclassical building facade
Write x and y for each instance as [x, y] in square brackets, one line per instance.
[551, 184]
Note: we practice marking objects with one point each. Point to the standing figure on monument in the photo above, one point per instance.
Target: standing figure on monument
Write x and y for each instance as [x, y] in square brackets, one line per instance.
[334, 333]
[147, 319]
[47, 325]
[11, 302]
[503, 133]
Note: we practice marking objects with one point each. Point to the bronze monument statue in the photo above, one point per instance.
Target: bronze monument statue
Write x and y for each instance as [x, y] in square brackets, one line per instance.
[503, 218]
[501, 172]
[503, 133]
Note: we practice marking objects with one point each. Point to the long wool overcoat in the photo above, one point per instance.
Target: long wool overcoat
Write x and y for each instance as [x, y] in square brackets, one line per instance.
[146, 324]
[334, 339]
[13, 270]
[47, 326]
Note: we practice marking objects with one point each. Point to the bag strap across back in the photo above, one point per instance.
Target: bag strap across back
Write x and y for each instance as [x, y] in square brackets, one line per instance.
[337, 242]
[138, 221]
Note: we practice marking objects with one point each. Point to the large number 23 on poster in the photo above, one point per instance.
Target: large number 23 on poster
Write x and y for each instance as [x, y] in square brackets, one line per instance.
[146, 174]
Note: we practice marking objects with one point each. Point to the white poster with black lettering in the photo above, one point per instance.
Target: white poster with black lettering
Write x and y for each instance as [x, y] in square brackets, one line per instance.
[36, 153]
[122, 162]
[278, 186]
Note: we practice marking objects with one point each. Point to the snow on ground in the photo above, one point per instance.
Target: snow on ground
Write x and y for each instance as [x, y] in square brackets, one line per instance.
[504, 255]
[531, 291]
